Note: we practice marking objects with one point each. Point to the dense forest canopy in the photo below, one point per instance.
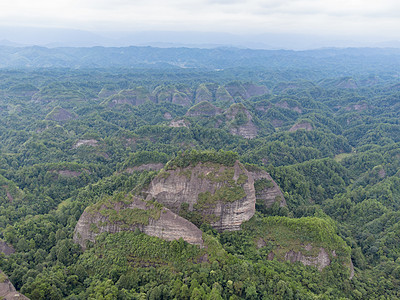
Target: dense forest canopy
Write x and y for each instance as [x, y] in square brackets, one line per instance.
[80, 126]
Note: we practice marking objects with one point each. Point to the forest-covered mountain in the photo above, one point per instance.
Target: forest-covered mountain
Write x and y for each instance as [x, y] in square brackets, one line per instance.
[345, 61]
[260, 181]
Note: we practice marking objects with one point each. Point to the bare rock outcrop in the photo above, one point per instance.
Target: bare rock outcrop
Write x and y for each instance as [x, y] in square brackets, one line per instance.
[241, 122]
[320, 261]
[60, 115]
[7, 290]
[302, 125]
[266, 189]
[222, 196]
[130, 214]
[90, 142]
[204, 109]
[179, 123]
[6, 248]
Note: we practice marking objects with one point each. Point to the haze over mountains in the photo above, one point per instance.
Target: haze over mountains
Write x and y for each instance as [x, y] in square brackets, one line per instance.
[348, 60]
[65, 37]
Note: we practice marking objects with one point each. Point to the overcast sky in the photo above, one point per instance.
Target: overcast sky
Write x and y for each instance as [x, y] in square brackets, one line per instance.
[370, 19]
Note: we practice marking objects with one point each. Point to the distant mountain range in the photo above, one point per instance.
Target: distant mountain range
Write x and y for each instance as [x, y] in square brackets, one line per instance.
[346, 60]
[66, 37]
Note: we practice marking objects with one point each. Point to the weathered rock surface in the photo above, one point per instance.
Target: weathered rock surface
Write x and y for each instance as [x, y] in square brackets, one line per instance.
[241, 122]
[136, 96]
[302, 125]
[6, 248]
[203, 109]
[179, 123]
[172, 188]
[321, 261]
[269, 192]
[163, 224]
[7, 290]
[60, 115]
[91, 142]
[284, 104]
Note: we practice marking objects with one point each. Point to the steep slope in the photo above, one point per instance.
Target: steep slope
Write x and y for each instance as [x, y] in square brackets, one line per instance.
[240, 122]
[129, 213]
[7, 290]
[266, 188]
[222, 195]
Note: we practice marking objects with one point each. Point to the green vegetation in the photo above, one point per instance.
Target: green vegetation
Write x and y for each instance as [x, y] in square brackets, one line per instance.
[340, 180]
[193, 157]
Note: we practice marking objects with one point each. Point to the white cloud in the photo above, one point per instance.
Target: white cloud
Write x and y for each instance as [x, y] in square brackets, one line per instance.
[334, 17]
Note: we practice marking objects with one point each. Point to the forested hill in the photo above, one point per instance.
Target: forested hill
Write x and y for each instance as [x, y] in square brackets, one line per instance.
[343, 60]
[125, 183]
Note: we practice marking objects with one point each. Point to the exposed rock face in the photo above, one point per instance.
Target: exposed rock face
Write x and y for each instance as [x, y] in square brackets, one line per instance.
[136, 96]
[321, 261]
[241, 122]
[6, 248]
[159, 222]
[79, 143]
[61, 115]
[202, 188]
[167, 116]
[302, 125]
[284, 104]
[245, 91]
[178, 123]
[267, 189]
[223, 95]
[204, 109]
[7, 290]
[180, 95]
[357, 107]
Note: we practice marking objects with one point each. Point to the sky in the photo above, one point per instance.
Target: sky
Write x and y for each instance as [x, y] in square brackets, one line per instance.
[363, 20]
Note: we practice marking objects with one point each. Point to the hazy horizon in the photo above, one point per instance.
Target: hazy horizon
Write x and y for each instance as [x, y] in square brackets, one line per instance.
[271, 24]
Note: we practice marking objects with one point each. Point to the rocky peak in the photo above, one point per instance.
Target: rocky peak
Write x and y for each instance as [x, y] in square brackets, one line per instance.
[221, 195]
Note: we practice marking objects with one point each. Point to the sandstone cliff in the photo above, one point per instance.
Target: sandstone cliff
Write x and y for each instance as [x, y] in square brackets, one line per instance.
[6, 248]
[131, 213]
[203, 109]
[220, 195]
[266, 189]
[240, 122]
[302, 125]
[311, 241]
[7, 290]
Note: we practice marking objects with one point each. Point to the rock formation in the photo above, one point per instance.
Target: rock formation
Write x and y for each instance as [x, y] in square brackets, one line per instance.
[60, 115]
[266, 189]
[223, 196]
[241, 122]
[320, 261]
[7, 290]
[302, 125]
[131, 213]
[6, 248]
[203, 109]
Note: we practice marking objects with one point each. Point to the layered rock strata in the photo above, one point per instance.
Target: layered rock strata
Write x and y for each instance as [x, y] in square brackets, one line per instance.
[223, 196]
[7, 290]
[118, 216]
[266, 189]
